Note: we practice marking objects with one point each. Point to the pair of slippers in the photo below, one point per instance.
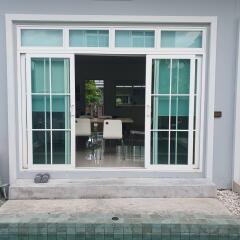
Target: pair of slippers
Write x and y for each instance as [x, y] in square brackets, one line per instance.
[42, 178]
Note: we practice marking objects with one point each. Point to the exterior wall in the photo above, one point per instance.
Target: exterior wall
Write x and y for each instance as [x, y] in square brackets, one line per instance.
[228, 13]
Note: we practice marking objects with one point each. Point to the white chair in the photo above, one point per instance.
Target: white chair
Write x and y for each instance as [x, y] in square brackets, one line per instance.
[112, 130]
[83, 127]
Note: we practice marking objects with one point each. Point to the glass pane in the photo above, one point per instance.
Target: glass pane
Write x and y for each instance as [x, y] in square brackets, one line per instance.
[136, 38]
[160, 113]
[179, 112]
[159, 143]
[60, 75]
[41, 38]
[179, 148]
[181, 39]
[180, 76]
[61, 147]
[60, 112]
[40, 75]
[161, 78]
[41, 147]
[88, 38]
[40, 112]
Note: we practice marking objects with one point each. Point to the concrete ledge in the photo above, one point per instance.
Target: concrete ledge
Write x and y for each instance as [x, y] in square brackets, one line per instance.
[114, 188]
[236, 187]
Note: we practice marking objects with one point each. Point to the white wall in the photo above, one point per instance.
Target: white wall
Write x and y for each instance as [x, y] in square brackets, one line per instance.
[228, 12]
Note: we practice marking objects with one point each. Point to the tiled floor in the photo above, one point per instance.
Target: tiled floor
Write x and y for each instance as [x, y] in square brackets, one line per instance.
[112, 157]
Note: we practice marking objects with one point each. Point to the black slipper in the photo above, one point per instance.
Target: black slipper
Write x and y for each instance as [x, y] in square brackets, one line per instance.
[38, 178]
[45, 178]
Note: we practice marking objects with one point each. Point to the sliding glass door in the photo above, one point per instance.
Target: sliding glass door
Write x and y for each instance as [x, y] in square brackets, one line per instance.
[51, 111]
[171, 110]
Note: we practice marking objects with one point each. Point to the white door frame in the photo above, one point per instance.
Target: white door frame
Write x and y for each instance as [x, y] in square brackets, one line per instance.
[236, 146]
[13, 75]
[29, 110]
[148, 110]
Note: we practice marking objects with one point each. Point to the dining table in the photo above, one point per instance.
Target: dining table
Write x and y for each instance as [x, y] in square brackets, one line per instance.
[101, 120]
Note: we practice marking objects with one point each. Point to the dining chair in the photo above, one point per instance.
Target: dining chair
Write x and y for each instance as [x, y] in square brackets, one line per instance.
[83, 127]
[112, 130]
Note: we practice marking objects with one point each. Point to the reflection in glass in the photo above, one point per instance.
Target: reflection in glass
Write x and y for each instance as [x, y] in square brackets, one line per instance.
[159, 143]
[179, 112]
[88, 38]
[40, 75]
[135, 39]
[130, 95]
[60, 75]
[40, 112]
[160, 113]
[41, 37]
[181, 39]
[180, 76]
[61, 147]
[179, 148]
[41, 143]
[161, 78]
[60, 112]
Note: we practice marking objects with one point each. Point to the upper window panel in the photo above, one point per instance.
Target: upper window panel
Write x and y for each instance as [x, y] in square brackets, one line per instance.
[41, 38]
[181, 39]
[88, 38]
[134, 39]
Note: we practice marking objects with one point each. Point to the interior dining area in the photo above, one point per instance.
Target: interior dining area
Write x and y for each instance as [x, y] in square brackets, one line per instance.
[110, 111]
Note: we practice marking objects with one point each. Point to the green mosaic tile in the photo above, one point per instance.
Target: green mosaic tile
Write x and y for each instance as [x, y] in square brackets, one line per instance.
[184, 236]
[80, 236]
[156, 237]
[156, 228]
[52, 236]
[176, 236]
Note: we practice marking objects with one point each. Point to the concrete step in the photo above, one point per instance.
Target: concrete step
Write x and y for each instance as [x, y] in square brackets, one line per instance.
[114, 188]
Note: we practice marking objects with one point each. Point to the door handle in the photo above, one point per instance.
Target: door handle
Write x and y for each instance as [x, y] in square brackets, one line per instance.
[72, 110]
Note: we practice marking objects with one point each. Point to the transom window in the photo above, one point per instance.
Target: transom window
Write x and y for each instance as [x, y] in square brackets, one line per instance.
[118, 38]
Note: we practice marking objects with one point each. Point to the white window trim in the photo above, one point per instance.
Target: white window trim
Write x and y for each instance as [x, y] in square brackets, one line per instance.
[236, 148]
[13, 19]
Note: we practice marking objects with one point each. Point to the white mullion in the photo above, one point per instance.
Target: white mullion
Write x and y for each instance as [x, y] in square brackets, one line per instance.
[66, 118]
[45, 114]
[72, 109]
[23, 113]
[111, 38]
[148, 110]
[191, 111]
[169, 114]
[176, 137]
[155, 111]
[50, 101]
[29, 108]
[198, 112]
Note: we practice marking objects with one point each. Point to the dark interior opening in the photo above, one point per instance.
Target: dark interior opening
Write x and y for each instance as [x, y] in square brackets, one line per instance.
[121, 80]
